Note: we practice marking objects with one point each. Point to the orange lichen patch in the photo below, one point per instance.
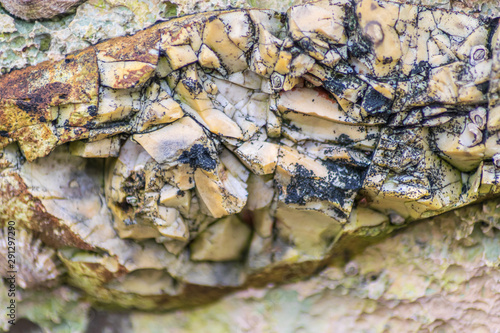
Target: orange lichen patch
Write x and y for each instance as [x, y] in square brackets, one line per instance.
[31, 96]
[16, 114]
[36, 141]
[74, 79]
[17, 203]
[144, 46]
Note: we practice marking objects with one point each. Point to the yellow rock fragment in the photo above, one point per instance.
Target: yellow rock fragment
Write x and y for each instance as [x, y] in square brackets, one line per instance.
[171, 196]
[36, 141]
[265, 54]
[273, 125]
[161, 112]
[260, 157]
[494, 118]
[180, 56]
[125, 75]
[109, 147]
[289, 159]
[163, 69]
[377, 24]
[220, 124]
[208, 58]
[115, 104]
[313, 102]
[238, 28]
[320, 20]
[14, 116]
[224, 240]
[72, 133]
[311, 238]
[229, 54]
[461, 141]
[366, 217]
[290, 82]
[301, 65]
[220, 193]
[443, 83]
[470, 94]
[283, 63]
[477, 38]
[76, 114]
[170, 224]
[385, 89]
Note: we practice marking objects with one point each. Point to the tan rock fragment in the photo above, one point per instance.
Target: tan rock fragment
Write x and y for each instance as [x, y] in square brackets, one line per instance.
[313, 102]
[377, 24]
[307, 127]
[260, 157]
[265, 52]
[171, 196]
[224, 240]
[109, 147]
[116, 104]
[158, 108]
[141, 47]
[125, 75]
[36, 141]
[168, 143]
[190, 91]
[182, 31]
[239, 28]
[215, 36]
[180, 56]
[301, 65]
[455, 24]
[221, 193]
[208, 58]
[170, 224]
[311, 238]
[319, 20]
[460, 143]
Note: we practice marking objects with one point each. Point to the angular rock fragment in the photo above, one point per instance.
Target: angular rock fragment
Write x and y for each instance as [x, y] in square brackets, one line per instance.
[224, 240]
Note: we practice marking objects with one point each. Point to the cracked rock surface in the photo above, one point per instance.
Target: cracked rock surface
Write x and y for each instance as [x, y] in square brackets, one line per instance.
[227, 150]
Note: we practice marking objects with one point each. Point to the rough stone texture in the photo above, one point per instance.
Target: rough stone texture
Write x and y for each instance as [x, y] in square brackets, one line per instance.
[440, 275]
[449, 260]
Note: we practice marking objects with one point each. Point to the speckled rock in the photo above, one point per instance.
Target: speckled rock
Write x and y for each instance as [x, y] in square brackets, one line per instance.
[274, 161]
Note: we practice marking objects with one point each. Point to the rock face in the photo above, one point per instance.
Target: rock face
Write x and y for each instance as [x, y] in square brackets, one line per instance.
[39, 9]
[248, 146]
